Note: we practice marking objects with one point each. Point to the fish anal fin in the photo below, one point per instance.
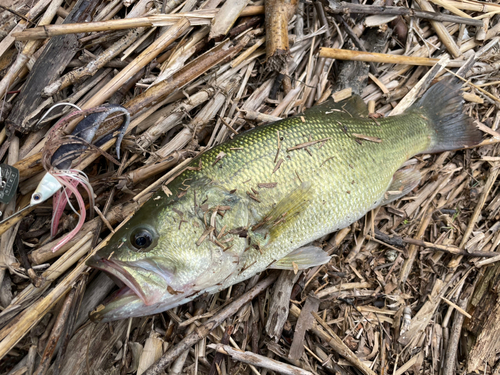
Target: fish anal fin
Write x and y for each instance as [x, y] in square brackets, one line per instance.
[302, 258]
[403, 181]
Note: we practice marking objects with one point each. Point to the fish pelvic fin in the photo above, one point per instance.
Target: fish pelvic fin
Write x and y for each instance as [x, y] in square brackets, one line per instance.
[442, 106]
[302, 258]
[403, 181]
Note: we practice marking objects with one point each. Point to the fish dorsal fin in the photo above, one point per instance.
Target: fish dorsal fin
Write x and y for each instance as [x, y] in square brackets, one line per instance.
[284, 212]
[302, 258]
[353, 106]
[403, 181]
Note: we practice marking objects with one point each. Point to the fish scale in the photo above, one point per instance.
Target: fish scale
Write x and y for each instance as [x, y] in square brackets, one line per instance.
[220, 225]
[343, 188]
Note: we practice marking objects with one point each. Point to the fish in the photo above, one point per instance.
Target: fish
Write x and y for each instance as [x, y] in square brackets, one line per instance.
[259, 200]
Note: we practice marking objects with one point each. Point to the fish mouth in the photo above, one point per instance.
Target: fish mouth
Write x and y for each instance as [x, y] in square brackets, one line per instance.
[122, 304]
[117, 271]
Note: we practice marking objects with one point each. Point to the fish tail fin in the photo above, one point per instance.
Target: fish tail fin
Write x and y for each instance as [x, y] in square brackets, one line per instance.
[442, 105]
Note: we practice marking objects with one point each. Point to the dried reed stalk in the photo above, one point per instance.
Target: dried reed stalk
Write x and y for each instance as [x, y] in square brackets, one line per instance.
[278, 13]
[34, 12]
[11, 334]
[430, 14]
[226, 17]
[28, 50]
[259, 360]
[195, 18]
[441, 30]
[92, 67]
[204, 330]
[344, 54]
[475, 6]
[7, 238]
[153, 50]
[190, 72]
[334, 341]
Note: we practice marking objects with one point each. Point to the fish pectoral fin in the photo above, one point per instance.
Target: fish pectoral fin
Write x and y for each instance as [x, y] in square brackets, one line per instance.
[302, 258]
[403, 181]
[285, 211]
[351, 107]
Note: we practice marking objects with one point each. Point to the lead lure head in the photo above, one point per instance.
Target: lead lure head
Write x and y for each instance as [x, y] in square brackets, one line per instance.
[45, 189]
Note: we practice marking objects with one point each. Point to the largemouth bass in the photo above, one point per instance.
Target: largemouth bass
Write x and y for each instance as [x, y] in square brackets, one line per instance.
[255, 201]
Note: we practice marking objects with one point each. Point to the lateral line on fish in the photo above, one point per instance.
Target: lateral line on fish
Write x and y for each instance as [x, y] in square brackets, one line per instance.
[307, 144]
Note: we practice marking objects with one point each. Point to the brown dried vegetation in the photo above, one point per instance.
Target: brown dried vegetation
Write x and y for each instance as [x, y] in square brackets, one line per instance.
[411, 288]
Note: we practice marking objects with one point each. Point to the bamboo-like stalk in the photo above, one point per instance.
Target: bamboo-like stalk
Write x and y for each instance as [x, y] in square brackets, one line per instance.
[56, 334]
[259, 360]
[212, 323]
[187, 74]
[34, 12]
[28, 50]
[92, 67]
[7, 238]
[452, 8]
[181, 54]
[278, 12]
[226, 17]
[165, 124]
[139, 62]
[12, 333]
[194, 18]
[344, 54]
[45, 253]
[430, 14]
[249, 53]
[140, 174]
[475, 6]
[29, 166]
[441, 30]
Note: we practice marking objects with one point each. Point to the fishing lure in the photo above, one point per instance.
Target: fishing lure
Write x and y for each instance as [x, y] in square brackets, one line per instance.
[59, 153]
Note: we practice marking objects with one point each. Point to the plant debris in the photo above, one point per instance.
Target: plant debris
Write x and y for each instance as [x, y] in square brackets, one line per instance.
[411, 287]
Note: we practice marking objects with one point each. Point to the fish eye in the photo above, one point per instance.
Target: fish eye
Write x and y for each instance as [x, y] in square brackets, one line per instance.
[141, 239]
